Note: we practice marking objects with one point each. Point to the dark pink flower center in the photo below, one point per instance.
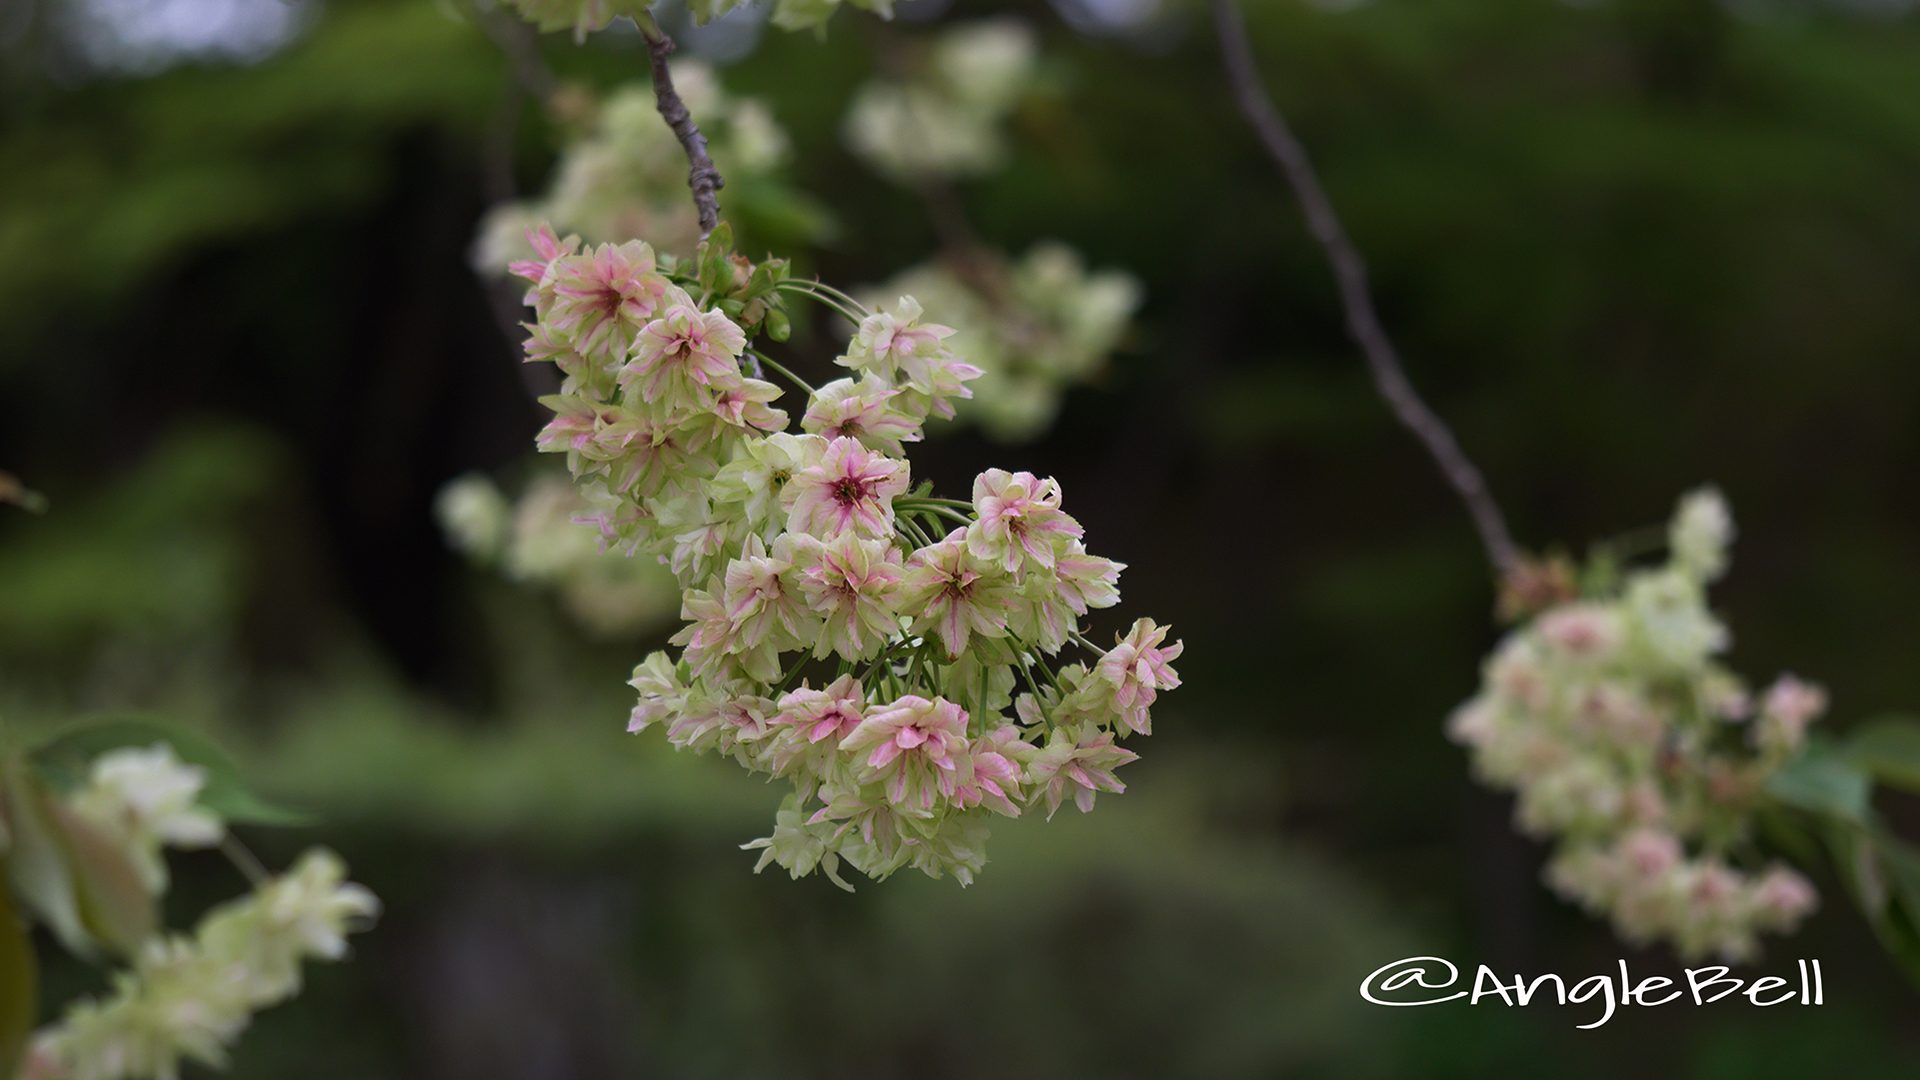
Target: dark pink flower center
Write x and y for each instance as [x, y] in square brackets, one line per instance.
[849, 490]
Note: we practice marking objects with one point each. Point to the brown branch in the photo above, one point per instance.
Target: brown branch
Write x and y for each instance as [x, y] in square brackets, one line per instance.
[1350, 274]
[702, 176]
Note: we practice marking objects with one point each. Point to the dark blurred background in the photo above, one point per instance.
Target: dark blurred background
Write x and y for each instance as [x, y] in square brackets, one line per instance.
[1627, 246]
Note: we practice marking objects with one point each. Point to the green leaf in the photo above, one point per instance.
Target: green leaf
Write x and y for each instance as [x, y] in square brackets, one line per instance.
[67, 757]
[716, 263]
[1888, 748]
[1883, 873]
[19, 978]
[1789, 833]
[1825, 783]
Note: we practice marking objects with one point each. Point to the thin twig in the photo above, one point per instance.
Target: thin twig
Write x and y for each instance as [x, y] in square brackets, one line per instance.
[961, 245]
[244, 860]
[702, 176]
[519, 46]
[1350, 273]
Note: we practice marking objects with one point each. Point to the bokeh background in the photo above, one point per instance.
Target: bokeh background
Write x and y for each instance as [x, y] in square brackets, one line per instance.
[1627, 246]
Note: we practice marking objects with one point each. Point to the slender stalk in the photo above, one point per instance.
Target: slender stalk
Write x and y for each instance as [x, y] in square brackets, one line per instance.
[910, 532]
[702, 176]
[806, 289]
[1350, 274]
[787, 679]
[842, 296]
[934, 508]
[779, 369]
[244, 860]
[520, 47]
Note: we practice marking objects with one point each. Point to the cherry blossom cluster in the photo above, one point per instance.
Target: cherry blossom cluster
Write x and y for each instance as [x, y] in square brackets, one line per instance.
[1641, 756]
[181, 997]
[944, 118]
[536, 539]
[896, 657]
[585, 16]
[1036, 327]
[623, 173]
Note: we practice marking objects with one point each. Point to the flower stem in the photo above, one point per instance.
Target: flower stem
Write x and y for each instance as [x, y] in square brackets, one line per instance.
[244, 860]
[843, 297]
[943, 507]
[802, 288]
[791, 377]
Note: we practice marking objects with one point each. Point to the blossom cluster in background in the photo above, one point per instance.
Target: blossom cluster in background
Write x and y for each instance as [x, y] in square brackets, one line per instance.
[945, 117]
[624, 173]
[539, 539]
[1641, 756]
[1035, 327]
[181, 997]
[579, 16]
[900, 659]
[584, 16]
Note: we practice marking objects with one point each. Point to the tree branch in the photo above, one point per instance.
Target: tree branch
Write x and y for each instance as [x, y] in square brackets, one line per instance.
[1350, 274]
[522, 53]
[702, 176]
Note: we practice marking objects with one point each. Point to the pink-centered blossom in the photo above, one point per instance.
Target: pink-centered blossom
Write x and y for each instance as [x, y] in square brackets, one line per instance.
[849, 582]
[850, 489]
[830, 713]
[1782, 897]
[711, 644]
[1018, 520]
[910, 746]
[729, 726]
[1586, 632]
[895, 344]
[1048, 608]
[746, 404]
[950, 592]
[990, 774]
[912, 355]
[808, 729]
[592, 430]
[1087, 581]
[865, 411]
[598, 300]
[1078, 760]
[762, 599]
[1648, 854]
[1135, 669]
[682, 358]
[636, 453]
[1788, 706]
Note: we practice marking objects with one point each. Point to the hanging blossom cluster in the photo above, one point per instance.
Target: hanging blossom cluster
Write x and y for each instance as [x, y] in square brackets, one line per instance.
[183, 998]
[623, 173]
[538, 540]
[585, 16]
[1641, 756]
[1035, 327]
[189, 998]
[895, 656]
[945, 118]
